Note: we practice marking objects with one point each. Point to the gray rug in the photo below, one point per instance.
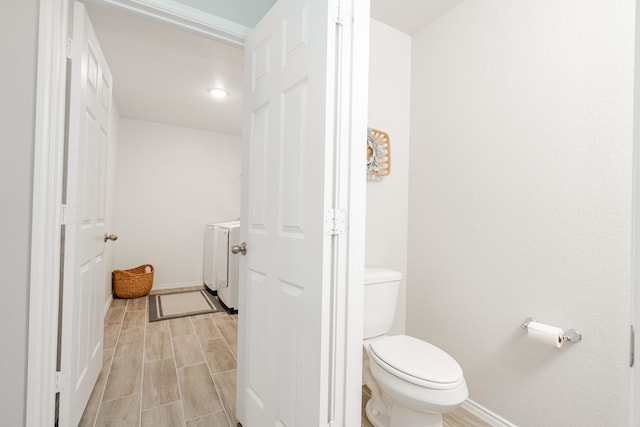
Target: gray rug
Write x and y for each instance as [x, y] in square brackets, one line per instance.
[182, 304]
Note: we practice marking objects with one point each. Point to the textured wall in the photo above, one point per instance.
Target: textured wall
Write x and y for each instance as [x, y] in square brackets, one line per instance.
[18, 44]
[387, 199]
[171, 181]
[520, 202]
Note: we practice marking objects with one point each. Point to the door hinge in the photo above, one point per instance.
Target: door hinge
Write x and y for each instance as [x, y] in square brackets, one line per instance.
[61, 381]
[73, 49]
[67, 215]
[336, 222]
[632, 346]
[344, 13]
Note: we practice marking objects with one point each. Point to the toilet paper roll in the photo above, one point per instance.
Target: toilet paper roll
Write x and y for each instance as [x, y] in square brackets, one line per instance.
[545, 334]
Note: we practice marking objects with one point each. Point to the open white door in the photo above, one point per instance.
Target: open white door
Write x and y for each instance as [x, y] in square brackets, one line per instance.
[84, 275]
[634, 361]
[292, 334]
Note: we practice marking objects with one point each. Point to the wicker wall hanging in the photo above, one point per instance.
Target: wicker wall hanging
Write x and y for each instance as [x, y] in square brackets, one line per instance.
[378, 153]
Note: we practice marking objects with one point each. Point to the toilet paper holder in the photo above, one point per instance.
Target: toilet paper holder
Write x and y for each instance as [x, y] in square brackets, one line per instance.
[570, 335]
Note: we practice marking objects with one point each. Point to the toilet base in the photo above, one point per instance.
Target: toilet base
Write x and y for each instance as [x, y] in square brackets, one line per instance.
[402, 417]
[376, 418]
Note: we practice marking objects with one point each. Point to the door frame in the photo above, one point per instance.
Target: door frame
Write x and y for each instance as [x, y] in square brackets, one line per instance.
[635, 234]
[47, 217]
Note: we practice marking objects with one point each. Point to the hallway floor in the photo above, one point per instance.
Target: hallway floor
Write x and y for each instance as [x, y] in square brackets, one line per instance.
[169, 373]
[180, 372]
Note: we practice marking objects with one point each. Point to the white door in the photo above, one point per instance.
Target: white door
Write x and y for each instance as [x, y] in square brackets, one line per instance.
[286, 340]
[84, 275]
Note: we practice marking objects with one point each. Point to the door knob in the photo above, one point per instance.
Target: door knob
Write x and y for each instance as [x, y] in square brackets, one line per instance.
[111, 237]
[239, 249]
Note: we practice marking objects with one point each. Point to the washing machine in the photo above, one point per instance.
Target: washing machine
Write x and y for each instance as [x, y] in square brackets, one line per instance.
[221, 267]
[209, 233]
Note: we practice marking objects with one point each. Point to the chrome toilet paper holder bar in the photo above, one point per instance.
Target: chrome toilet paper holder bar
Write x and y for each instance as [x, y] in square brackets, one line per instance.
[570, 335]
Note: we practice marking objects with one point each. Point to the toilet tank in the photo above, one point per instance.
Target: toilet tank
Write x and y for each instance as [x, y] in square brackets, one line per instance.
[380, 300]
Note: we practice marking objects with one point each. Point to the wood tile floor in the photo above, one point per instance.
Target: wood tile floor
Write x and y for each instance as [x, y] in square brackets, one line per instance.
[179, 372]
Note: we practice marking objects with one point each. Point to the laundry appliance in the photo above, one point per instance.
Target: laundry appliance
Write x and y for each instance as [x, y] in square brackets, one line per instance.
[220, 265]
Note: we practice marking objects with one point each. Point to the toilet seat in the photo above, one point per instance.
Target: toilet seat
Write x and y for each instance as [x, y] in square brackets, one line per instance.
[417, 362]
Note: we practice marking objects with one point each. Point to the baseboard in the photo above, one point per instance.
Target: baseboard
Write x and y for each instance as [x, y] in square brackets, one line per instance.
[108, 304]
[485, 415]
[175, 286]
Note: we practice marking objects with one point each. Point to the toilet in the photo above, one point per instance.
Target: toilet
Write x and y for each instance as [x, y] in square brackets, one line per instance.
[412, 382]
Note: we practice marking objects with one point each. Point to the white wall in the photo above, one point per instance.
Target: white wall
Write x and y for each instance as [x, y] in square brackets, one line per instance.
[387, 198]
[520, 202]
[170, 182]
[18, 44]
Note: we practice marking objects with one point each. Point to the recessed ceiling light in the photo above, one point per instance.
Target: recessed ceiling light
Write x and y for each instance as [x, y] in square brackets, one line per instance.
[219, 93]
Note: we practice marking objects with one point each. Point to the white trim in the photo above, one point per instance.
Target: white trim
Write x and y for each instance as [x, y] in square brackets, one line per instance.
[350, 83]
[184, 17]
[635, 229]
[108, 304]
[45, 228]
[485, 415]
[353, 199]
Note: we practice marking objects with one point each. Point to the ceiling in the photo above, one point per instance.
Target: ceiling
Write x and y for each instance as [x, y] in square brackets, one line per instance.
[409, 16]
[245, 12]
[162, 73]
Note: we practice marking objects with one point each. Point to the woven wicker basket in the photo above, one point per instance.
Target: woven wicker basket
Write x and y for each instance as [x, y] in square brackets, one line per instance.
[133, 283]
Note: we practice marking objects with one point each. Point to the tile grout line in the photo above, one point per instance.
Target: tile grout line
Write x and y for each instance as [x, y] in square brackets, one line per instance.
[212, 374]
[215, 383]
[108, 374]
[144, 349]
[230, 419]
[175, 366]
[226, 342]
[104, 387]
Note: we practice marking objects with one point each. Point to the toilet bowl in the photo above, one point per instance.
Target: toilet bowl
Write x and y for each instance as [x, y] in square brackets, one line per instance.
[417, 382]
[412, 382]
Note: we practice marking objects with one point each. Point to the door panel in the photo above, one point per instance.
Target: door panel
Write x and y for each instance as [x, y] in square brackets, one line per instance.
[293, 149]
[86, 180]
[287, 188]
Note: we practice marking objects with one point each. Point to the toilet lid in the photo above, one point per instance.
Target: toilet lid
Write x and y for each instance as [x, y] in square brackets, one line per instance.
[417, 361]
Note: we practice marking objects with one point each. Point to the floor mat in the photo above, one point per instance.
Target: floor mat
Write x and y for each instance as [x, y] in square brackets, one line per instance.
[182, 304]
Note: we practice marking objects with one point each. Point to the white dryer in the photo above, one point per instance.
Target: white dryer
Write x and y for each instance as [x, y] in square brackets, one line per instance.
[209, 234]
[221, 266]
